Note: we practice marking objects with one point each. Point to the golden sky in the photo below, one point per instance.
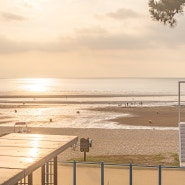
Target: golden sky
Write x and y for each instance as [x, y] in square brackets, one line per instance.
[94, 38]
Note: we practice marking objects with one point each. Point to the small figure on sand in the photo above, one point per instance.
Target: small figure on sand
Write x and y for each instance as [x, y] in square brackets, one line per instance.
[141, 103]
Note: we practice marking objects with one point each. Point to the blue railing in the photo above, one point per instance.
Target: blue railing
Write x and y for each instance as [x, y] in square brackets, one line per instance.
[130, 167]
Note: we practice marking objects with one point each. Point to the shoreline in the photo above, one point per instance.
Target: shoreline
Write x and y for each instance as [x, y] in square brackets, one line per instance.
[111, 116]
[85, 95]
[91, 98]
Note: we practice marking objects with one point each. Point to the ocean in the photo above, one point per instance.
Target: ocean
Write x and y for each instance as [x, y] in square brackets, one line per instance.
[67, 101]
[119, 86]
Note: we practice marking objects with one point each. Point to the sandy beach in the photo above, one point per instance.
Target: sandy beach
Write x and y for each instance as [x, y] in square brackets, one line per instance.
[124, 141]
[115, 142]
[132, 143]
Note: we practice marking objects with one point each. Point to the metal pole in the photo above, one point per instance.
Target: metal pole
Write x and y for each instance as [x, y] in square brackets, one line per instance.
[30, 179]
[55, 171]
[160, 175]
[130, 173]
[47, 173]
[179, 101]
[84, 155]
[43, 174]
[74, 172]
[102, 173]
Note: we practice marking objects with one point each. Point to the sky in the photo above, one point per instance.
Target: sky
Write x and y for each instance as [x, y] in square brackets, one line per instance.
[87, 39]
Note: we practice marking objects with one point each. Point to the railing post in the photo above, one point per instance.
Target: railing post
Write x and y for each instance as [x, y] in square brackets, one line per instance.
[160, 175]
[102, 173]
[30, 179]
[55, 171]
[43, 174]
[47, 173]
[74, 172]
[130, 173]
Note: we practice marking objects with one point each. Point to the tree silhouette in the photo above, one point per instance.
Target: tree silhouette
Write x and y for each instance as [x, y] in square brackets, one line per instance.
[165, 10]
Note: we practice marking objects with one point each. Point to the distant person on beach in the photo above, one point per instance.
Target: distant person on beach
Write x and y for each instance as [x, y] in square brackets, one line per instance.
[141, 103]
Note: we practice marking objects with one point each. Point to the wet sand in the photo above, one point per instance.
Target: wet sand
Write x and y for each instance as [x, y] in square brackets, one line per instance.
[162, 116]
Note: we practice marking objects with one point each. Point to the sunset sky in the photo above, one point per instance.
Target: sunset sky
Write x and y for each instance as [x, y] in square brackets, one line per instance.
[87, 38]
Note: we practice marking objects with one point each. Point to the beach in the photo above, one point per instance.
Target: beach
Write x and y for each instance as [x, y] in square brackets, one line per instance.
[155, 137]
[114, 141]
[137, 139]
[158, 116]
[119, 142]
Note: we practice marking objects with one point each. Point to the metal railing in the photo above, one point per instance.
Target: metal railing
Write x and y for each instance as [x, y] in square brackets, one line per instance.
[130, 167]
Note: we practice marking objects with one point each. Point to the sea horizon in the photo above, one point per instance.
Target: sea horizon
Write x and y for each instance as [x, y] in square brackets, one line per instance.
[89, 90]
[116, 86]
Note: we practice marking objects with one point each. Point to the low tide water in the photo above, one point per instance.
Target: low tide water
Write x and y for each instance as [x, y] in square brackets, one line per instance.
[67, 101]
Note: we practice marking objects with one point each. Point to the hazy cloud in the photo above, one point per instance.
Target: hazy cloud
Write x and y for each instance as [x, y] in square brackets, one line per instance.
[27, 5]
[91, 31]
[100, 40]
[9, 46]
[12, 17]
[123, 13]
[114, 42]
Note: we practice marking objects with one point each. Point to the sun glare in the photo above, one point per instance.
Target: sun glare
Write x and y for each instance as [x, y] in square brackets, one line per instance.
[37, 84]
[33, 150]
